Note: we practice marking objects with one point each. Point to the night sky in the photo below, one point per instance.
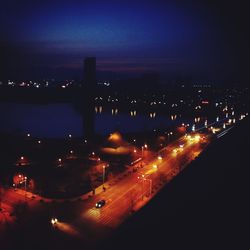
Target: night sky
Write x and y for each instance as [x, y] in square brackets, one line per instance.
[179, 39]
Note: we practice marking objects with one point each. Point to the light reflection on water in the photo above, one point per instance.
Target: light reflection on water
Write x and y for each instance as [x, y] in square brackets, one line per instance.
[98, 109]
[61, 119]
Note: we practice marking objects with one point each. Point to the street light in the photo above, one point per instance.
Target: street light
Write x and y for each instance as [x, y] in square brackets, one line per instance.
[144, 178]
[103, 176]
[145, 146]
[25, 185]
[170, 133]
[155, 166]
[150, 187]
[159, 157]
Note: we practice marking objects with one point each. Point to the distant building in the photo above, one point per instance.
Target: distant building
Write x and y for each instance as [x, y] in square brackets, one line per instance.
[88, 97]
[90, 72]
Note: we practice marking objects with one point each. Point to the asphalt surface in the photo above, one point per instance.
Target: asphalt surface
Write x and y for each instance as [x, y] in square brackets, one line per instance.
[204, 207]
[83, 221]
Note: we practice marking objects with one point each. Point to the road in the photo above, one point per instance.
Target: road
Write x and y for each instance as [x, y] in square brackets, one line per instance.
[133, 191]
[79, 218]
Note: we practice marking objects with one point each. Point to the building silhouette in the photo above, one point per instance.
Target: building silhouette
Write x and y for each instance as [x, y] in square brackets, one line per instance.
[90, 72]
[89, 88]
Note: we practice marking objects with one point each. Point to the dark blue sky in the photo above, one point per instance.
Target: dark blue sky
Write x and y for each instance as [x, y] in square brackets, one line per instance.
[177, 39]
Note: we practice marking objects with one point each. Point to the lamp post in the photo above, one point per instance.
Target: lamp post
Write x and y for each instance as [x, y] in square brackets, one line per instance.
[142, 187]
[169, 134]
[103, 176]
[25, 185]
[150, 185]
[144, 178]
[142, 149]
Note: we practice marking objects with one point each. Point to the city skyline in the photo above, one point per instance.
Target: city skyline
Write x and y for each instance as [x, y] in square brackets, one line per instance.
[198, 41]
[125, 124]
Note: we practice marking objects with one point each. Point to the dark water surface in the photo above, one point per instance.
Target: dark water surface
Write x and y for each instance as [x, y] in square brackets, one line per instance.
[58, 120]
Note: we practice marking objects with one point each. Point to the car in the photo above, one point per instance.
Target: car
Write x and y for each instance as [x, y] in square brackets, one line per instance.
[100, 203]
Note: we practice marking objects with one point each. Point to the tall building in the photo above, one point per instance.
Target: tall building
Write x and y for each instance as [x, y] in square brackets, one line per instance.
[89, 89]
[90, 72]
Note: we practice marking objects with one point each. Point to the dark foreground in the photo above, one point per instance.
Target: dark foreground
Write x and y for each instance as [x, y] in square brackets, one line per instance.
[205, 207]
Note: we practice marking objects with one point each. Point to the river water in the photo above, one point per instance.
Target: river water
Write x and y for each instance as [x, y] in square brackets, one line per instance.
[58, 120]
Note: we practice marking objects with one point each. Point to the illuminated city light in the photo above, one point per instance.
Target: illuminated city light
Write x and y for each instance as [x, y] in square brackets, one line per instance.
[54, 221]
[197, 137]
[155, 167]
